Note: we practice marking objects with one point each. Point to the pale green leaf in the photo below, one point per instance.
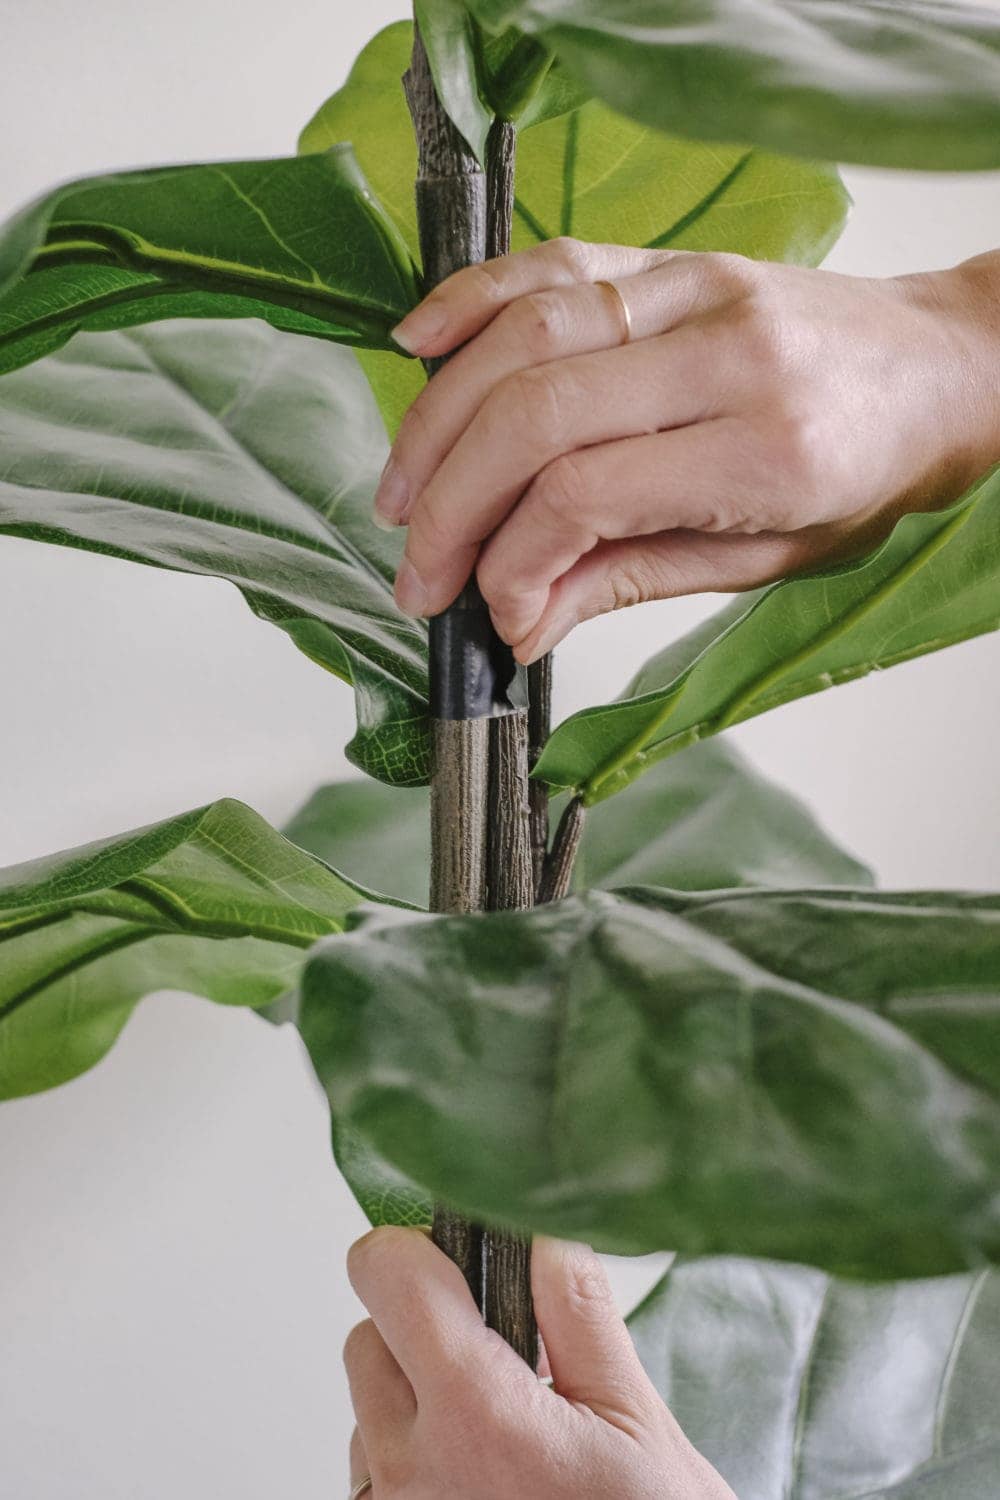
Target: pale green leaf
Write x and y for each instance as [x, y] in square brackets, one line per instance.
[797, 1386]
[229, 450]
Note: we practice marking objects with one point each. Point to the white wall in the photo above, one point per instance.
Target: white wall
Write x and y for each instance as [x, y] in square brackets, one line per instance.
[172, 1300]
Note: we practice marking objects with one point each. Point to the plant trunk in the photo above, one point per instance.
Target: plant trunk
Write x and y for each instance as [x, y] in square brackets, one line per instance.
[481, 850]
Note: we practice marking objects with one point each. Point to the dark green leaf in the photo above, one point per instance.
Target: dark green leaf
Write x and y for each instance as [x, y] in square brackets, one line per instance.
[300, 242]
[936, 581]
[229, 450]
[806, 1075]
[895, 83]
[590, 173]
[797, 1386]
[214, 901]
[701, 820]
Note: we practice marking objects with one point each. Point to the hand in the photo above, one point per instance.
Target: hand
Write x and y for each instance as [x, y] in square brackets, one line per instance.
[764, 419]
[447, 1411]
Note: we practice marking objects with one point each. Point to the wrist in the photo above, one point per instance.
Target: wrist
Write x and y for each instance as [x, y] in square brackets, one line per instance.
[965, 303]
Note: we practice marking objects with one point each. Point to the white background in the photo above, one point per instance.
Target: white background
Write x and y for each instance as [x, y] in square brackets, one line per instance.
[172, 1299]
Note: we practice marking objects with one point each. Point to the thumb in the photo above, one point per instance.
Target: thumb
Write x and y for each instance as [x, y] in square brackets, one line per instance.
[590, 1353]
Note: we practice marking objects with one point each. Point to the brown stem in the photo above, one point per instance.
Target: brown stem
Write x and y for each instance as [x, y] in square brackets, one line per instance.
[558, 874]
[480, 838]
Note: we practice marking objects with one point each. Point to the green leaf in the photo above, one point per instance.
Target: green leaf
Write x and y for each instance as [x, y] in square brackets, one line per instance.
[299, 242]
[382, 833]
[933, 583]
[702, 820]
[797, 1386]
[806, 1075]
[450, 36]
[590, 173]
[705, 820]
[234, 451]
[594, 174]
[912, 83]
[477, 76]
[214, 901]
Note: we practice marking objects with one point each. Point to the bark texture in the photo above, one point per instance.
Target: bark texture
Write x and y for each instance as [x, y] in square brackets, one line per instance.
[480, 836]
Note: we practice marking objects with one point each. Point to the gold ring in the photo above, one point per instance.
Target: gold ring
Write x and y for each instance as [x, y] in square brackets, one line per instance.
[362, 1487]
[621, 307]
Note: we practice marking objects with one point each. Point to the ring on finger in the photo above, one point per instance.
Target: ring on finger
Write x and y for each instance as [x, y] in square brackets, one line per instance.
[614, 295]
[363, 1487]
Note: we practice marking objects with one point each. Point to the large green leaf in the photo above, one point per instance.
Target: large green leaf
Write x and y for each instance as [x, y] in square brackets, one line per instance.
[797, 1386]
[300, 242]
[896, 83]
[232, 450]
[811, 1076]
[934, 582]
[702, 820]
[214, 901]
[590, 173]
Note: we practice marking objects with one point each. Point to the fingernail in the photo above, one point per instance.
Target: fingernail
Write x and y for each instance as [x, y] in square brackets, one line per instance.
[424, 323]
[411, 591]
[540, 642]
[392, 496]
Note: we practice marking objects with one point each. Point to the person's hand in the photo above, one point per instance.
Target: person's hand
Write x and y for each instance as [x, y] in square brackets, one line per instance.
[762, 420]
[447, 1411]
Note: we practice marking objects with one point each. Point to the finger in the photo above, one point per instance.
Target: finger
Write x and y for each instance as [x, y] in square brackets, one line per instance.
[536, 417]
[700, 477]
[463, 304]
[537, 329]
[359, 1459]
[381, 1395]
[424, 1310]
[592, 1357]
[618, 574]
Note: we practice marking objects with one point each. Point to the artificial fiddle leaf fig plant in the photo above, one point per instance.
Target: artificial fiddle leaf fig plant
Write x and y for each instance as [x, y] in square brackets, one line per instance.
[724, 1040]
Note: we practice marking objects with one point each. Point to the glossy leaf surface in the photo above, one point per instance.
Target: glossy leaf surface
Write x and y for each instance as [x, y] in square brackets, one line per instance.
[911, 83]
[936, 581]
[214, 901]
[234, 451]
[589, 173]
[702, 820]
[299, 242]
[797, 1386]
[810, 1076]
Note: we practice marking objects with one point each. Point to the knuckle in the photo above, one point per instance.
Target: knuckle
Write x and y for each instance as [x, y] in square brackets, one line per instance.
[730, 273]
[800, 447]
[539, 323]
[763, 337]
[569, 254]
[530, 404]
[560, 488]
[359, 1343]
[486, 281]
[587, 1289]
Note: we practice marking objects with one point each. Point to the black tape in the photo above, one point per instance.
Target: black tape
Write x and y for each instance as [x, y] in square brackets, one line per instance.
[473, 675]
